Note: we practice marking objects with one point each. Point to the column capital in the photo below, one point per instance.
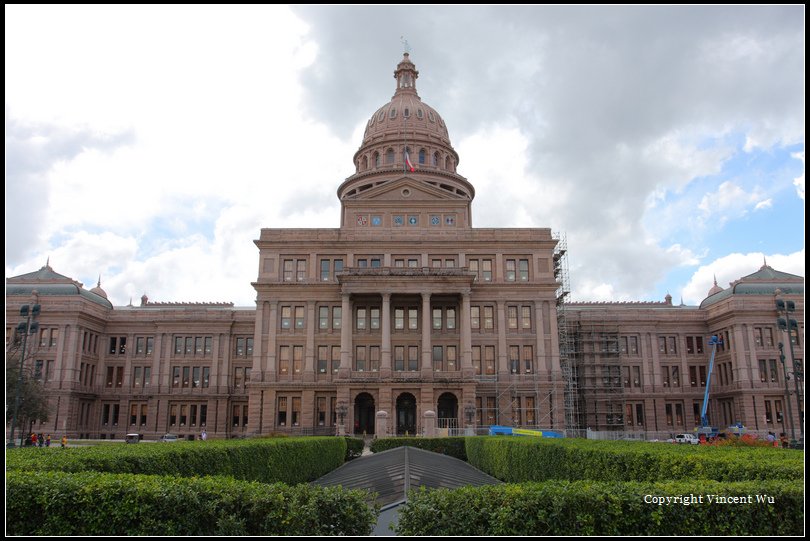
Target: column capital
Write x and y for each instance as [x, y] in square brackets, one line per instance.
[425, 296]
[386, 295]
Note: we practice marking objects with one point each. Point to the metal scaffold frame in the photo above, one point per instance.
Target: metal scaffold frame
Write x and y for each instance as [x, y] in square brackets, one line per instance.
[567, 365]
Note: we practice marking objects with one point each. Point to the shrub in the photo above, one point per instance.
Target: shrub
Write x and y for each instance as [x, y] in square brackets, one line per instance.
[588, 508]
[453, 446]
[288, 460]
[518, 460]
[103, 504]
[354, 448]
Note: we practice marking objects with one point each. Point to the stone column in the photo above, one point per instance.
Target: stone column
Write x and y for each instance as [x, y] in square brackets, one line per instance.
[381, 426]
[467, 370]
[257, 370]
[429, 424]
[309, 350]
[541, 365]
[385, 368]
[427, 351]
[270, 346]
[345, 338]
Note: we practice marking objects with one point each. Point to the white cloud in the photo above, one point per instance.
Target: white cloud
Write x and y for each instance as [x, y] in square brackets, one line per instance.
[729, 201]
[764, 204]
[799, 181]
[734, 266]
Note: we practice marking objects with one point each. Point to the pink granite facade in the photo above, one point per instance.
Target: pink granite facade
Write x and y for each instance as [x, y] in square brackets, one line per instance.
[404, 319]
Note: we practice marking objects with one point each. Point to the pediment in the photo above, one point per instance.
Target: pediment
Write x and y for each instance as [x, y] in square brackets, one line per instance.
[409, 189]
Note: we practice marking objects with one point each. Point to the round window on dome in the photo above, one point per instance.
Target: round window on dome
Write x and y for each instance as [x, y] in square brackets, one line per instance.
[419, 114]
[430, 116]
[393, 112]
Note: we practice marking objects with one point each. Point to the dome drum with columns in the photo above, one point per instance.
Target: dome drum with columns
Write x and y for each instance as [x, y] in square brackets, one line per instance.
[406, 124]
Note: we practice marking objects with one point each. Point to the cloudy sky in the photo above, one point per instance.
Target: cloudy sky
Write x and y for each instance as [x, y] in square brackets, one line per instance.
[150, 144]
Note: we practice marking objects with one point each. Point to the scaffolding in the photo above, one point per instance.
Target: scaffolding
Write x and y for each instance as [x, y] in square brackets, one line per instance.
[567, 366]
[597, 362]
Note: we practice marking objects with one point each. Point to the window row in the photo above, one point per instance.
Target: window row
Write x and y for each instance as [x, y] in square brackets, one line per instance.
[523, 410]
[181, 415]
[241, 377]
[773, 411]
[144, 345]
[192, 377]
[87, 374]
[243, 347]
[48, 337]
[239, 415]
[193, 345]
[288, 412]
[768, 371]
[674, 414]
[725, 373]
[39, 365]
[89, 343]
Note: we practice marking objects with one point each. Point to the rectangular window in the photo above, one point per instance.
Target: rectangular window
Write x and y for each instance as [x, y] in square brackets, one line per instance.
[332, 409]
[486, 270]
[286, 317]
[375, 318]
[323, 317]
[282, 411]
[186, 376]
[299, 317]
[512, 317]
[235, 417]
[526, 317]
[413, 319]
[679, 414]
[662, 344]
[399, 319]
[301, 270]
[284, 360]
[768, 412]
[489, 318]
[198, 345]
[475, 317]
[298, 358]
[54, 337]
[763, 371]
[476, 359]
[237, 377]
[399, 358]
[633, 345]
[288, 270]
[671, 349]
[320, 410]
[360, 358]
[451, 319]
[335, 358]
[136, 376]
[489, 360]
[374, 358]
[296, 411]
[375, 263]
[399, 263]
[139, 342]
[693, 377]
[690, 347]
[528, 359]
[323, 359]
[361, 319]
[451, 359]
[244, 415]
[492, 410]
[413, 263]
[511, 270]
[523, 270]
[437, 319]
[150, 345]
[206, 375]
[699, 345]
[665, 376]
[514, 359]
[668, 410]
[413, 358]
[113, 346]
[337, 265]
[192, 415]
[438, 358]
[49, 370]
[324, 270]
[636, 376]
[774, 373]
[530, 410]
[436, 263]
[626, 372]
[337, 317]
[249, 347]
[240, 347]
[639, 414]
[189, 345]
[175, 376]
[119, 376]
[474, 268]
[702, 370]
[110, 370]
[758, 336]
[362, 263]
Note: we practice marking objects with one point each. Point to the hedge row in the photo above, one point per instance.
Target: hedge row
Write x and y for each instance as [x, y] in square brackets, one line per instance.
[103, 504]
[587, 508]
[517, 460]
[454, 446]
[354, 448]
[287, 460]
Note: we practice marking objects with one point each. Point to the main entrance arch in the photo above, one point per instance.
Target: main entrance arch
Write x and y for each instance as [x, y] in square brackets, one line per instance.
[364, 414]
[447, 411]
[406, 414]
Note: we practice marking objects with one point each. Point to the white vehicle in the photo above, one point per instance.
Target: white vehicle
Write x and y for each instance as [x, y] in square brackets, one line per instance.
[687, 438]
[169, 438]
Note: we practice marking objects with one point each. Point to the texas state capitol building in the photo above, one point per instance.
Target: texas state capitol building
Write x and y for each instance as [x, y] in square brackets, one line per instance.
[404, 319]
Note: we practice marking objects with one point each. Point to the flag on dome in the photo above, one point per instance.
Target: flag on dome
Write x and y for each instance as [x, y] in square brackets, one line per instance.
[408, 162]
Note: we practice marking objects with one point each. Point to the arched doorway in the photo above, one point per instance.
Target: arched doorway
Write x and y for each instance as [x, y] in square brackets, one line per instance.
[406, 413]
[364, 414]
[447, 411]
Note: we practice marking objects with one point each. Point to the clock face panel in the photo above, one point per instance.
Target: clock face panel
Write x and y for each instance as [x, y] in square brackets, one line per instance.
[398, 220]
[376, 220]
[450, 220]
[435, 220]
[413, 220]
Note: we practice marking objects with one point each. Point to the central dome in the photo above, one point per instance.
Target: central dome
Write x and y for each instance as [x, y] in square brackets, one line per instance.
[406, 136]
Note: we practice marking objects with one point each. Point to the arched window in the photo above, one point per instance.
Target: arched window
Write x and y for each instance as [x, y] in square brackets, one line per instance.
[435, 159]
[406, 113]
[365, 163]
[419, 114]
[447, 164]
[376, 159]
[381, 116]
[393, 113]
[389, 156]
[422, 156]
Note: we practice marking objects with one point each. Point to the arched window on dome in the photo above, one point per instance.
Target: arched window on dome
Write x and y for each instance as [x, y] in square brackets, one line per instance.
[421, 156]
[389, 156]
[430, 116]
[419, 114]
[393, 113]
[406, 113]
[447, 164]
[435, 159]
[365, 163]
[376, 159]
[381, 116]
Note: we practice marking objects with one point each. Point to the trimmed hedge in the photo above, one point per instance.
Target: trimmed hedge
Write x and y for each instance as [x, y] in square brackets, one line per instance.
[287, 460]
[354, 448]
[516, 460]
[103, 504]
[586, 508]
[453, 446]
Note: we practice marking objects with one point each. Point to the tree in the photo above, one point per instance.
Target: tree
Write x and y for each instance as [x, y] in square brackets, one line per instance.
[33, 399]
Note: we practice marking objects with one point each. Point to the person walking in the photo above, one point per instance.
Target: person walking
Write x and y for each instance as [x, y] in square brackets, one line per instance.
[48, 440]
[34, 439]
[204, 435]
[64, 440]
